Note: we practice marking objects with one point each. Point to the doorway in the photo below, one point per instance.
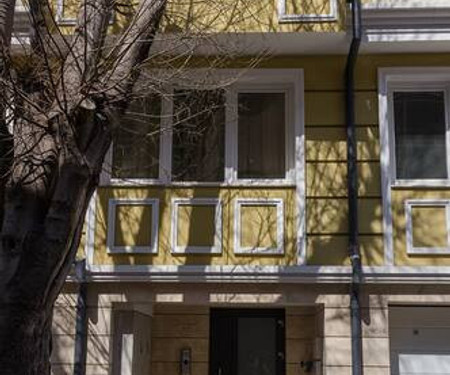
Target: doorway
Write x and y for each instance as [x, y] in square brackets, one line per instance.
[247, 342]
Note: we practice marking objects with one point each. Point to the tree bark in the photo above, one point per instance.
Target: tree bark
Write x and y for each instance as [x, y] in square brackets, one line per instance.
[58, 156]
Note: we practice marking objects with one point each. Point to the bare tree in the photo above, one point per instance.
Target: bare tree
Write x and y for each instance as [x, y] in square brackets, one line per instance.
[64, 96]
[61, 99]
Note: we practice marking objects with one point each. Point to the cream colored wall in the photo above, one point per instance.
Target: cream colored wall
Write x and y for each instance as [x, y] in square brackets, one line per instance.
[64, 315]
[317, 322]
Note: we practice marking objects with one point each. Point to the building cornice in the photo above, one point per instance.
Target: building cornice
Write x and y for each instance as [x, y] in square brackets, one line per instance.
[267, 274]
[406, 21]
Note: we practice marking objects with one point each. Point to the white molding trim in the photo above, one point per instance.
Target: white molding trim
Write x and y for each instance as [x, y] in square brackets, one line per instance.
[279, 204]
[214, 202]
[401, 78]
[407, 20]
[419, 275]
[59, 16]
[152, 248]
[283, 17]
[409, 204]
[300, 168]
[65, 21]
[384, 166]
[90, 233]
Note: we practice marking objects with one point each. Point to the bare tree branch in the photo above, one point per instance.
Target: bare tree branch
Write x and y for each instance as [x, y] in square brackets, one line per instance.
[133, 47]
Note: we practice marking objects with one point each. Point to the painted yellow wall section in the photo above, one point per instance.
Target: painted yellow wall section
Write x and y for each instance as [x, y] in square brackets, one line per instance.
[308, 6]
[126, 232]
[430, 226]
[326, 190]
[228, 196]
[196, 225]
[259, 226]
[213, 16]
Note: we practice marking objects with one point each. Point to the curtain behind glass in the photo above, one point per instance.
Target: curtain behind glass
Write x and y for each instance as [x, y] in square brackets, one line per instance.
[420, 127]
[261, 135]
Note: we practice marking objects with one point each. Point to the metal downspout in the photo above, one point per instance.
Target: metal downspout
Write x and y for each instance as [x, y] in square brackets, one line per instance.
[81, 320]
[352, 181]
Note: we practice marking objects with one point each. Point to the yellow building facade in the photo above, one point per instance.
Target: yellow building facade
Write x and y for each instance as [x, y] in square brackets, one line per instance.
[220, 244]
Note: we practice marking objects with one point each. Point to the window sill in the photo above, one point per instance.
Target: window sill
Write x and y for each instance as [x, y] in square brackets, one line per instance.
[429, 251]
[160, 183]
[404, 184]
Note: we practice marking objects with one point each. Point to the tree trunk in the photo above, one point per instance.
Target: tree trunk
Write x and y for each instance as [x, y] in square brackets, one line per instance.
[41, 231]
[30, 284]
[58, 154]
[28, 341]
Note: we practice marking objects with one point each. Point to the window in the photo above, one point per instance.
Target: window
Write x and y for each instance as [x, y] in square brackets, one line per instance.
[245, 132]
[135, 151]
[420, 131]
[261, 135]
[414, 145]
[414, 128]
[198, 135]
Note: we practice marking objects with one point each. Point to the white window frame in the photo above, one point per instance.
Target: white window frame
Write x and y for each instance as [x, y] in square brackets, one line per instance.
[409, 205]
[288, 81]
[59, 17]
[284, 17]
[66, 21]
[152, 248]
[217, 204]
[423, 87]
[401, 79]
[412, 82]
[241, 202]
[232, 159]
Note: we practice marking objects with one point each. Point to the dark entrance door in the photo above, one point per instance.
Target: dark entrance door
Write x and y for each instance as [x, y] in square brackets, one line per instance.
[247, 342]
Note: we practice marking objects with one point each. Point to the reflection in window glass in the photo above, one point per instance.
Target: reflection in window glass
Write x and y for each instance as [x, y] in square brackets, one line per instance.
[256, 346]
[261, 135]
[198, 136]
[420, 126]
[136, 141]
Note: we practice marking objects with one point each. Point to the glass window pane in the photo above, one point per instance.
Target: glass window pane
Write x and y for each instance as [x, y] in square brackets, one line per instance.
[420, 146]
[256, 346]
[136, 141]
[198, 136]
[261, 135]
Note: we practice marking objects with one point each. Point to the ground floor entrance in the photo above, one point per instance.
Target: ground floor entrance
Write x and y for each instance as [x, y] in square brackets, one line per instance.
[247, 342]
[254, 329]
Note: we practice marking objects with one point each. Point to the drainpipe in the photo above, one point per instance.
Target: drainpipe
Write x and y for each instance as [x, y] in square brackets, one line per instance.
[352, 181]
[81, 320]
